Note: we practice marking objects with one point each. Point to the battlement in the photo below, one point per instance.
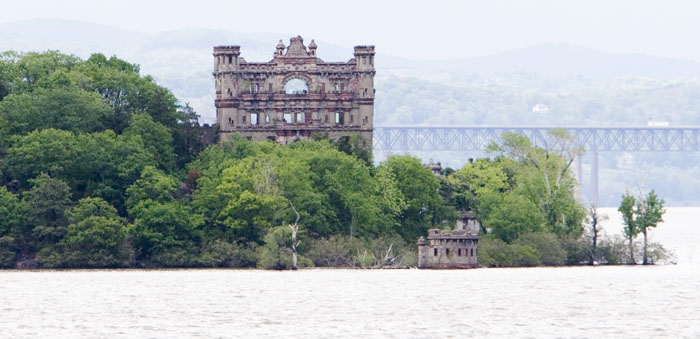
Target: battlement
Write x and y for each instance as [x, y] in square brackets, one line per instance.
[234, 49]
[364, 49]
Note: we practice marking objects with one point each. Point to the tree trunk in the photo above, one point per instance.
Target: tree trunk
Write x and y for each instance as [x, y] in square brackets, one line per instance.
[352, 226]
[645, 262]
[295, 243]
[632, 251]
[594, 250]
[294, 249]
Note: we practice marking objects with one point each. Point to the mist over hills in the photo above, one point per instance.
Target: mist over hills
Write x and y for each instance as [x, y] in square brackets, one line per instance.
[181, 60]
[565, 59]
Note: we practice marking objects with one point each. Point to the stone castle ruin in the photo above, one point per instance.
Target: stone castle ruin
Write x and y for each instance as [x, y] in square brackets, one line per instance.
[295, 95]
[451, 249]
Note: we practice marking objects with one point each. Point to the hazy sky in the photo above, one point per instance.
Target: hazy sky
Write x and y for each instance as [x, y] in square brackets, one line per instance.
[414, 29]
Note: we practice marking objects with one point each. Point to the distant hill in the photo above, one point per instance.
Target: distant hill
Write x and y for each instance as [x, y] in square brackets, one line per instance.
[181, 60]
[564, 59]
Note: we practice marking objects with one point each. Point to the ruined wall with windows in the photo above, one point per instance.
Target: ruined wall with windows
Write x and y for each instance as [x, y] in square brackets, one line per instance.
[294, 95]
[451, 249]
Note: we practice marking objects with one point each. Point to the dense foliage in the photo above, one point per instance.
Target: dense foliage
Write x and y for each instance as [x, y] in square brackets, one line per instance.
[100, 167]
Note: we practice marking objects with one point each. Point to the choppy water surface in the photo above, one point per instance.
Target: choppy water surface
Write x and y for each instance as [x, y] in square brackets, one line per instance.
[574, 302]
[591, 302]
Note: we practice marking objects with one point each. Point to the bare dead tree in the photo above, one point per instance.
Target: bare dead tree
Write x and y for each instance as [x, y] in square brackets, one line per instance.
[595, 232]
[295, 243]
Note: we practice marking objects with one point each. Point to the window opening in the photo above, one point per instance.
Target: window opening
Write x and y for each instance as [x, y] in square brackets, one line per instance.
[288, 118]
[435, 252]
[244, 119]
[253, 118]
[338, 118]
[300, 118]
[296, 86]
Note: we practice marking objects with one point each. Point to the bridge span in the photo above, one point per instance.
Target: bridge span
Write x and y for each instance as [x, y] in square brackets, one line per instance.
[397, 139]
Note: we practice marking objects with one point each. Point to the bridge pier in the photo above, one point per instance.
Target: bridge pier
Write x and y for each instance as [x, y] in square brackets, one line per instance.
[578, 175]
[594, 178]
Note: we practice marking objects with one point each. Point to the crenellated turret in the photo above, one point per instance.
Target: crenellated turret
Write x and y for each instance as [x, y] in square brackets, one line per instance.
[364, 56]
[226, 58]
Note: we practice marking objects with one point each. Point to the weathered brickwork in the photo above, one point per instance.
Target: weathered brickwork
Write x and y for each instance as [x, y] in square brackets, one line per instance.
[451, 249]
[294, 95]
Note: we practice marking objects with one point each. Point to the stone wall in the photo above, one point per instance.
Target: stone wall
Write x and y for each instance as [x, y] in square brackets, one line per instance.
[453, 249]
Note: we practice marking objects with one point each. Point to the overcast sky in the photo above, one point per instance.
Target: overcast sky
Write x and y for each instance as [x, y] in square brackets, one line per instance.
[413, 29]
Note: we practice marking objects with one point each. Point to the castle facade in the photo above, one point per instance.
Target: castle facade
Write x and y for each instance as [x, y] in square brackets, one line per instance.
[295, 95]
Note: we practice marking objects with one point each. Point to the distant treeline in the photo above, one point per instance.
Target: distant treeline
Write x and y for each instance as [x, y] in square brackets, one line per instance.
[100, 167]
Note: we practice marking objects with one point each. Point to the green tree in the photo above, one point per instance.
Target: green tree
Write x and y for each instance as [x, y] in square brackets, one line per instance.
[629, 220]
[357, 146]
[11, 214]
[419, 187]
[96, 236]
[97, 164]
[62, 107]
[30, 70]
[164, 234]
[46, 221]
[545, 177]
[650, 211]
[513, 217]
[480, 186]
[126, 92]
[165, 231]
[49, 151]
[156, 138]
[247, 214]
[188, 137]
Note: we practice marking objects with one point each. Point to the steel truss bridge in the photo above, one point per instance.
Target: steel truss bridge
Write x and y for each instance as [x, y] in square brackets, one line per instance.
[398, 139]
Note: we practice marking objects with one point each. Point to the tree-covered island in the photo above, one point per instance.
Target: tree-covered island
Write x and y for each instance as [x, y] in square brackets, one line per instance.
[100, 167]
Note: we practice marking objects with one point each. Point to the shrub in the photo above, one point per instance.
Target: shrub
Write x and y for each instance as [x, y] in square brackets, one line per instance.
[547, 245]
[497, 253]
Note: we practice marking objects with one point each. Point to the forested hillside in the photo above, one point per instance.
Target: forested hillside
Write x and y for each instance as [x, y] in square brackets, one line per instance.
[101, 167]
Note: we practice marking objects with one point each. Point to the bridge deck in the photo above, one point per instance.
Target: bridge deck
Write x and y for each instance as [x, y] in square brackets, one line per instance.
[474, 138]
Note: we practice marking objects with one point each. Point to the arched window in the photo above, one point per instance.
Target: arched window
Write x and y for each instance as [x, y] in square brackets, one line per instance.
[296, 86]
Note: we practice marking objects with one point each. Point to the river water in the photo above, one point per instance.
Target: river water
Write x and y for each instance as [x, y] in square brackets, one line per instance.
[571, 302]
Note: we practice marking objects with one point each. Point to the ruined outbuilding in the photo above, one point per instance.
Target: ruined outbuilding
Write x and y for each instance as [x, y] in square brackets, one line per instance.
[294, 95]
[451, 249]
